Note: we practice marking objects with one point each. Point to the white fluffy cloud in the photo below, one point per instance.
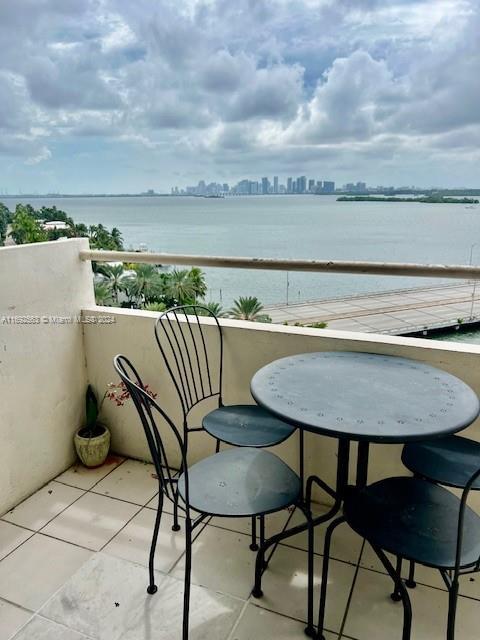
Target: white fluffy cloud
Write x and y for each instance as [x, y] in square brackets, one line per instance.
[270, 84]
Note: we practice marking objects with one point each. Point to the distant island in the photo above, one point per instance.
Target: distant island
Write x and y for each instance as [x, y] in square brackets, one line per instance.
[428, 199]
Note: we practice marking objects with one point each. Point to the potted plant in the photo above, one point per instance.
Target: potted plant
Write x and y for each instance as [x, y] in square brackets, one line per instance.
[92, 441]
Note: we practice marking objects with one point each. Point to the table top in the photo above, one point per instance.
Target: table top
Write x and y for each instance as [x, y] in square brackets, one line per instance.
[365, 396]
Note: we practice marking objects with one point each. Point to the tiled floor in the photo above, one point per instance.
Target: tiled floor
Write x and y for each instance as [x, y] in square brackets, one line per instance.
[73, 563]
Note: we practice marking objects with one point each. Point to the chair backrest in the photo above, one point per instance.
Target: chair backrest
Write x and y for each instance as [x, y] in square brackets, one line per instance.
[461, 521]
[148, 410]
[195, 367]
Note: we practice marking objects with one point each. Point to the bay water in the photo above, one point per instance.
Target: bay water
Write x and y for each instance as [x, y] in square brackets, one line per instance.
[303, 226]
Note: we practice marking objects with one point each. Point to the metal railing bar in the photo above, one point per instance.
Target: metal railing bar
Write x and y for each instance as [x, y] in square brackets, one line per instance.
[462, 272]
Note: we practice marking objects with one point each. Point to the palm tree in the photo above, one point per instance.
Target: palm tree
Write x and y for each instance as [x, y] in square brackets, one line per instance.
[197, 277]
[180, 287]
[214, 308]
[249, 308]
[117, 238]
[114, 275]
[155, 306]
[103, 294]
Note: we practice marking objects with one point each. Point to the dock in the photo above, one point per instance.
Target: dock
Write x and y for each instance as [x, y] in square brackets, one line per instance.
[400, 312]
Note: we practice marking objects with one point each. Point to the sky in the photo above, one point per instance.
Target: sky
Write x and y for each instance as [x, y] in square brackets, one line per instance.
[115, 96]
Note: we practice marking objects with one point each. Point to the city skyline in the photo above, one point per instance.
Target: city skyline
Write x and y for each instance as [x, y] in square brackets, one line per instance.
[117, 97]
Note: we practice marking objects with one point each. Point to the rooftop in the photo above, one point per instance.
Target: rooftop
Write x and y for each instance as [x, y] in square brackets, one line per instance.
[74, 558]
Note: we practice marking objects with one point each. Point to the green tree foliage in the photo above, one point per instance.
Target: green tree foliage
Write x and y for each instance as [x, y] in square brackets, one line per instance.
[101, 238]
[5, 217]
[213, 307]
[115, 275]
[25, 227]
[155, 306]
[103, 294]
[249, 308]
[29, 227]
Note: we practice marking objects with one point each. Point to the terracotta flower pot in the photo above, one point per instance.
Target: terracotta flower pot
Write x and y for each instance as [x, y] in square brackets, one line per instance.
[92, 449]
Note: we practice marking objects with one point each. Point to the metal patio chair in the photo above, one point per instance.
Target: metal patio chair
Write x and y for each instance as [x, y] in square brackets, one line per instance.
[238, 482]
[416, 520]
[196, 371]
[450, 461]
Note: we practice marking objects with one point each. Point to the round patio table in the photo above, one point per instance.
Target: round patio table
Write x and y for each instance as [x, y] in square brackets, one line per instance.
[364, 397]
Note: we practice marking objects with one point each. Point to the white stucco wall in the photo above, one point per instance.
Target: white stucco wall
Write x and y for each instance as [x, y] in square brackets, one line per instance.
[249, 346]
[42, 365]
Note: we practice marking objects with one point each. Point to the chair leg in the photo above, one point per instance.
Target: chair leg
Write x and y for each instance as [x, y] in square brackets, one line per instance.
[452, 610]
[259, 567]
[188, 574]
[176, 524]
[396, 596]
[301, 465]
[152, 587]
[254, 544]
[407, 607]
[323, 587]
[310, 628]
[262, 529]
[410, 582]
[217, 446]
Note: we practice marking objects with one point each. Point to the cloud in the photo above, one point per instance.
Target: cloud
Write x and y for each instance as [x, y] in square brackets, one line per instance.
[273, 83]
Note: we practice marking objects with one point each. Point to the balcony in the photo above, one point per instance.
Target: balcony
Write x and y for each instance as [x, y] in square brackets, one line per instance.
[73, 542]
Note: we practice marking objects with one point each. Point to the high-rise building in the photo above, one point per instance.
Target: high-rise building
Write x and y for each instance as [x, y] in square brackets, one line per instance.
[275, 184]
[301, 184]
[289, 185]
[243, 187]
[265, 185]
[311, 185]
[328, 187]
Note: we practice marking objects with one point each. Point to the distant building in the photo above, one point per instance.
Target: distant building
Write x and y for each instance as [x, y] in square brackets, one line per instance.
[254, 188]
[328, 186]
[226, 188]
[265, 186]
[311, 186]
[301, 184]
[275, 184]
[243, 187]
[289, 185]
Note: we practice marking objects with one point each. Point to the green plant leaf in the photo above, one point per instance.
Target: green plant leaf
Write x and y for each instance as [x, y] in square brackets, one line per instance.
[91, 407]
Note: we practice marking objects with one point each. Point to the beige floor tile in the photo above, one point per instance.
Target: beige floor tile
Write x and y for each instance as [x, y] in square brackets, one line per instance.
[41, 629]
[91, 521]
[11, 537]
[372, 615]
[107, 600]
[12, 618]
[84, 478]
[285, 586]
[274, 523]
[42, 506]
[167, 504]
[221, 561]
[133, 542]
[346, 544]
[259, 624]
[469, 584]
[34, 571]
[132, 481]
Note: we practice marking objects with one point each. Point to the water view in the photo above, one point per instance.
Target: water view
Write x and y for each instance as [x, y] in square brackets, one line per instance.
[286, 227]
